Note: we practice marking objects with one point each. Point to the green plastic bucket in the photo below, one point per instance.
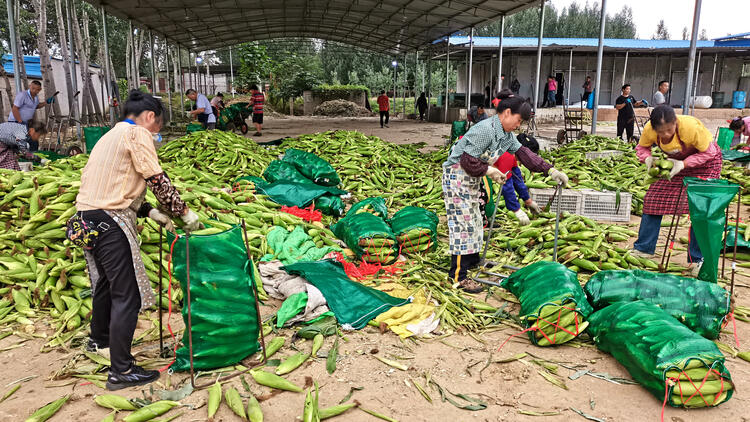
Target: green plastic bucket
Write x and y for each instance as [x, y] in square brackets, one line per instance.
[92, 135]
[724, 139]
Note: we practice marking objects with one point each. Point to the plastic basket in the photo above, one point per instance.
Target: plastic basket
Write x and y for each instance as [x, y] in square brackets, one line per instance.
[92, 134]
[570, 200]
[724, 138]
[594, 155]
[603, 205]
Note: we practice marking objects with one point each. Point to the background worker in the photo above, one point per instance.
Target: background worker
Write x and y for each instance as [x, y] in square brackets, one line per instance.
[740, 126]
[26, 103]
[14, 142]
[660, 96]
[588, 88]
[625, 105]
[384, 105]
[257, 100]
[112, 195]
[551, 91]
[470, 161]
[203, 111]
[477, 114]
[217, 104]
[693, 152]
[508, 165]
[422, 105]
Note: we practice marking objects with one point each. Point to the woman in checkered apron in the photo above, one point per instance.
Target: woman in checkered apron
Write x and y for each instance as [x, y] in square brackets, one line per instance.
[692, 150]
[470, 160]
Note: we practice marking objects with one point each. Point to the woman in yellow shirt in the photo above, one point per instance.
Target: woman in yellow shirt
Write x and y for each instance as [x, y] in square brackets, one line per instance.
[691, 149]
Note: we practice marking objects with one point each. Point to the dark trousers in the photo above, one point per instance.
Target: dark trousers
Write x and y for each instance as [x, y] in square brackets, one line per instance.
[648, 235]
[116, 299]
[385, 114]
[625, 125]
[460, 266]
[422, 111]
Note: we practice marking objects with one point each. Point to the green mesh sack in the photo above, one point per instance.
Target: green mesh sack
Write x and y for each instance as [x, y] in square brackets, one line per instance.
[222, 300]
[374, 205]
[743, 237]
[458, 129]
[368, 236]
[290, 247]
[300, 194]
[415, 229]
[553, 305]
[313, 167]
[663, 355]
[708, 201]
[330, 204]
[700, 305]
[280, 171]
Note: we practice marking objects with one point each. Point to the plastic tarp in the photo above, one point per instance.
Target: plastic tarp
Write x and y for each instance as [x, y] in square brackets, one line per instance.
[368, 236]
[353, 304]
[415, 229]
[700, 305]
[278, 170]
[374, 205]
[296, 194]
[741, 237]
[313, 167]
[708, 200]
[548, 293]
[734, 155]
[662, 354]
[222, 300]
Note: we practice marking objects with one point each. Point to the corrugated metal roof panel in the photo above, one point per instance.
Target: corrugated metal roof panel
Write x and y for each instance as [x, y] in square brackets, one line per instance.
[521, 42]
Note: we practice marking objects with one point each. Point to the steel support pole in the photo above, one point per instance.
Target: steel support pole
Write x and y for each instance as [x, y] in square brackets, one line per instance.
[107, 70]
[231, 71]
[471, 60]
[447, 71]
[625, 66]
[182, 79]
[13, 44]
[403, 90]
[153, 59]
[695, 83]
[416, 70]
[168, 84]
[500, 54]
[73, 77]
[691, 58]
[653, 80]
[130, 59]
[669, 76]
[599, 57]
[395, 74]
[570, 75]
[713, 73]
[492, 70]
[429, 85]
[537, 77]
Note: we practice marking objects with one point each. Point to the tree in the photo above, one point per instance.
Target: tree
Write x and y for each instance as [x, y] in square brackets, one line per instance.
[254, 64]
[48, 81]
[685, 33]
[62, 39]
[661, 31]
[703, 36]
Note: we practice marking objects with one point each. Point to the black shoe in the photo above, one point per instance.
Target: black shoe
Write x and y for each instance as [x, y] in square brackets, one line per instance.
[93, 345]
[134, 376]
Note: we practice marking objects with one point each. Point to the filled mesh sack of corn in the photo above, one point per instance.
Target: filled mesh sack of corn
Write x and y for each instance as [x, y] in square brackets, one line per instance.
[375, 205]
[415, 229]
[700, 305]
[313, 167]
[553, 306]
[222, 299]
[368, 236]
[663, 355]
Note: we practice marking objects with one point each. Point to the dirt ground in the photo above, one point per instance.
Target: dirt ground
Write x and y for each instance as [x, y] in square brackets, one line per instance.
[459, 362]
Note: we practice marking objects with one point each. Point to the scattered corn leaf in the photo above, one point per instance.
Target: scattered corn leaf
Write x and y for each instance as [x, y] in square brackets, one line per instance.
[553, 379]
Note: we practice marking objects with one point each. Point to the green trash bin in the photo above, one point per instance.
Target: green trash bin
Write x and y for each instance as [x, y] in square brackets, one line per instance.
[724, 138]
[92, 135]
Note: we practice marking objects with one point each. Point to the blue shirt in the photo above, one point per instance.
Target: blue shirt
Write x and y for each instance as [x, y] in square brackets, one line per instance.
[202, 102]
[26, 107]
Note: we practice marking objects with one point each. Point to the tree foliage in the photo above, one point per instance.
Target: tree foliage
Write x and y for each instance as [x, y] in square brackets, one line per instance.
[661, 32]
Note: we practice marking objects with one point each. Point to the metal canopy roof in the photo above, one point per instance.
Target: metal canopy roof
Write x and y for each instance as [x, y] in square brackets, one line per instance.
[387, 26]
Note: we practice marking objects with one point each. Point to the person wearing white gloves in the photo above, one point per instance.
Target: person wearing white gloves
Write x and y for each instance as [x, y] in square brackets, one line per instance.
[693, 152]
[470, 160]
[15, 140]
[111, 197]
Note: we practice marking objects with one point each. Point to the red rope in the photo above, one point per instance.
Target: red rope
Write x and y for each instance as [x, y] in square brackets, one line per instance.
[666, 396]
[532, 328]
[556, 324]
[309, 214]
[697, 389]
[734, 329]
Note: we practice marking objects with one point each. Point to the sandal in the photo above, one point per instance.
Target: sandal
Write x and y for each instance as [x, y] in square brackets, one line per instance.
[470, 286]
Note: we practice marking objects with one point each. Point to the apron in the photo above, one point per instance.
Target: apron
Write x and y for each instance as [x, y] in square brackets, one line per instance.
[661, 197]
[126, 219]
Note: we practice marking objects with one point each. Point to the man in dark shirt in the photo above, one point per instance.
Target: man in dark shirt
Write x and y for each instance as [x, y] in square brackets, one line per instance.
[588, 87]
[625, 105]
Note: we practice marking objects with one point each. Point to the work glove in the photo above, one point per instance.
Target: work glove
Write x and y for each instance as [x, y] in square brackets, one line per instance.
[162, 219]
[678, 166]
[649, 162]
[523, 219]
[496, 175]
[558, 176]
[50, 100]
[191, 221]
[189, 114]
[533, 207]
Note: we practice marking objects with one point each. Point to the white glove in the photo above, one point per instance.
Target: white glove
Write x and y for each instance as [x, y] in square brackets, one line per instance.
[191, 221]
[678, 166]
[162, 219]
[44, 161]
[533, 207]
[558, 176]
[189, 114]
[523, 219]
[496, 175]
[649, 162]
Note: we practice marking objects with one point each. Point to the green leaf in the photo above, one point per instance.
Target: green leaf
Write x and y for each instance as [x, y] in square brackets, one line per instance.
[332, 355]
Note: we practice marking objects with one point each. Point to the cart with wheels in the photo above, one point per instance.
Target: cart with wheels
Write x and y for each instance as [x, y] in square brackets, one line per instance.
[573, 125]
